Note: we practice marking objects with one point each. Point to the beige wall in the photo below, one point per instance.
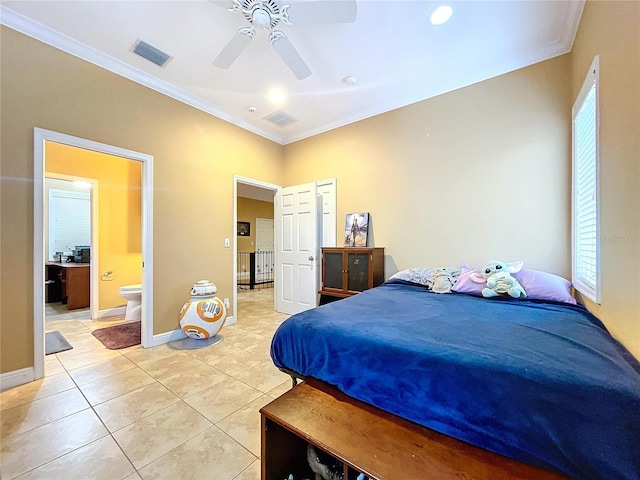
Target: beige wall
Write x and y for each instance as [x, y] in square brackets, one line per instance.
[612, 31]
[479, 173]
[195, 158]
[476, 174]
[248, 210]
[119, 214]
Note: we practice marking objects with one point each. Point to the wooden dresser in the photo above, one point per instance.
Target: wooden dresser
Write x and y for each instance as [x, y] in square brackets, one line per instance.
[347, 271]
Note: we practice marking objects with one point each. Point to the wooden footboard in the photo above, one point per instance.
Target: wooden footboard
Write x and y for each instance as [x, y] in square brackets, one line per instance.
[368, 441]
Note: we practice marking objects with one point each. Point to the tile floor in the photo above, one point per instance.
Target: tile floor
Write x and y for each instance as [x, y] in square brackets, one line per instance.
[159, 413]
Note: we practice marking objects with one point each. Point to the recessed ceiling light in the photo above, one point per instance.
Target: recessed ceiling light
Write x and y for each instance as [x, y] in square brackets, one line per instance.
[277, 96]
[441, 15]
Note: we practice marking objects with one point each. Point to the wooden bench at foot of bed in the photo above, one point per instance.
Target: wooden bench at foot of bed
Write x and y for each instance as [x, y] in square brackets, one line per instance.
[370, 441]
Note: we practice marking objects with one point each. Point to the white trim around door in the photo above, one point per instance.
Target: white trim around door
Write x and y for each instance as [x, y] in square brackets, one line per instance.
[254, 183]
[40, 137]
[93, 271]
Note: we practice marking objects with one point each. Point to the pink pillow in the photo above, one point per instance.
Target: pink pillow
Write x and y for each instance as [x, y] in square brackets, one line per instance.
[538, 285]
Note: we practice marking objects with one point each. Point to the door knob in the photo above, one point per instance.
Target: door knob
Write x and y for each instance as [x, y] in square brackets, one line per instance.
[311, 258]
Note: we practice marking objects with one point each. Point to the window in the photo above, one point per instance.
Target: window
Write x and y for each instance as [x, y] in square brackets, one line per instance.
[69, 220]
[585, 191]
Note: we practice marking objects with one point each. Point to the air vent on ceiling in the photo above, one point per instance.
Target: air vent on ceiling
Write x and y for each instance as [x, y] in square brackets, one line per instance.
[150, 53]
[280, 118]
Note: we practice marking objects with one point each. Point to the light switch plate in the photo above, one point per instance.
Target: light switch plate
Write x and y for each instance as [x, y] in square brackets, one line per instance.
[226, 243]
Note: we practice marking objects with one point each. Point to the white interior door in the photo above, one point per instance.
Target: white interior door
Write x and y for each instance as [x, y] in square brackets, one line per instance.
[296, 226]
[264, 234]
[326, 193]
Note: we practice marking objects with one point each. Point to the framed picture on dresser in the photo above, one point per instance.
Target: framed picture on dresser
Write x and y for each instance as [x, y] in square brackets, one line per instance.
[356, 227]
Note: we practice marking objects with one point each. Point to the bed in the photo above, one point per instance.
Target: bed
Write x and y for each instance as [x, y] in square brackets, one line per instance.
[539, 381]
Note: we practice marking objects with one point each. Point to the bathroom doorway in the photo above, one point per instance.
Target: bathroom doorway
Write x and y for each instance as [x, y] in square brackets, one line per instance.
[41, 139]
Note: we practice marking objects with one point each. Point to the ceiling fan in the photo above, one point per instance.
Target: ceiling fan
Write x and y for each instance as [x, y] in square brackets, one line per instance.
[267, 14]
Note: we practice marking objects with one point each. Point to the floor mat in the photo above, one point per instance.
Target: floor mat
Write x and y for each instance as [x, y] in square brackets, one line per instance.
[54, 342]
[119, 336]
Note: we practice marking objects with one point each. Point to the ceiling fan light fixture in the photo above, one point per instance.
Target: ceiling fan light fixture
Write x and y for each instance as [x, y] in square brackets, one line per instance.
[267, 14]
[441, 15]
[261, 18]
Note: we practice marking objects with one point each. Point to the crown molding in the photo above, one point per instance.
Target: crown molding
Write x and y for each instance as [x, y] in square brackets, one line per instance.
[51, 37]
[547, 52]
[571, 23]
[38, 31]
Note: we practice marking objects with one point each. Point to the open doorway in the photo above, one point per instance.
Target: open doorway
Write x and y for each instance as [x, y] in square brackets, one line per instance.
[43, 138]
[254, 256]
[70, 218]
[323, 215]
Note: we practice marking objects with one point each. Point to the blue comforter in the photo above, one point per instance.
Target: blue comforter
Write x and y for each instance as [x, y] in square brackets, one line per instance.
[544, 383]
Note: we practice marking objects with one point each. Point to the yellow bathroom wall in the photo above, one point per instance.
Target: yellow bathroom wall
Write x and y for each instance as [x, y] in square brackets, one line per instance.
[248, 210]
[119, 214]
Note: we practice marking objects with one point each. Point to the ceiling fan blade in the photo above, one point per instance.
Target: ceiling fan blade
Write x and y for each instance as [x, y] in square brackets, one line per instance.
[289, 54]
[331, 11]
[234, 48]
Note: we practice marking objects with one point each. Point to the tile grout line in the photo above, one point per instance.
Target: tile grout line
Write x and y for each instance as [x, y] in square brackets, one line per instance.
[109, 433]
[180, 399]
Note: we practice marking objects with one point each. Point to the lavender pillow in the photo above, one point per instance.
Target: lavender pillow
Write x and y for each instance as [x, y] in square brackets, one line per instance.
[466, 285]
[545, 286]
[538, 285]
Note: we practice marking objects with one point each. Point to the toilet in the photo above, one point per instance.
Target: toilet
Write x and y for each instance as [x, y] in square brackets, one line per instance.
[133, 295]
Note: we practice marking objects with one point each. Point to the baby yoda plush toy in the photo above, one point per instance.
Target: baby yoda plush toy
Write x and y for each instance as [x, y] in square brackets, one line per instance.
[443, 279]
[499, 279]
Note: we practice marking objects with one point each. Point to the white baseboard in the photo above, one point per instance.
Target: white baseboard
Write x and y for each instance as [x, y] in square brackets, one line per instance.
[178, 334]
[112, 312]
[168, 337]
[17, 377]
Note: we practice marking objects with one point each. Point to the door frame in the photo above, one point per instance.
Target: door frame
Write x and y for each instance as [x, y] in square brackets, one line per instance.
[39, 138]
[93, 271]
[255, 183]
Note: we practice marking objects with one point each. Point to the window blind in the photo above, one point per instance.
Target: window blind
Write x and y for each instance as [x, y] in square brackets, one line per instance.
[69, 220]
[586, 274]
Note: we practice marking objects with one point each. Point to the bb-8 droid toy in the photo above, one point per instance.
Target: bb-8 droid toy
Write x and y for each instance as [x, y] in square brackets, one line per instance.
[203, 315]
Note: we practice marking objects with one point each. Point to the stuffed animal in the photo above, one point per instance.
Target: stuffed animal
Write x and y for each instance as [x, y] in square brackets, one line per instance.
[443, 279]
[498, 277]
